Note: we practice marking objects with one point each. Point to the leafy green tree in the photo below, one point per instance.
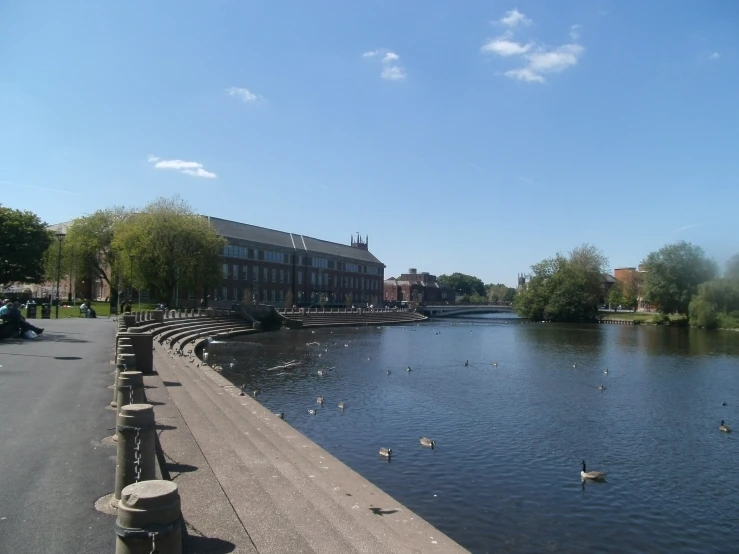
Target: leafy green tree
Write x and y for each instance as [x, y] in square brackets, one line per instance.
[732, 268]
[500, 293]
[167, 246]
[631, 290]
[88, 251]
[24, 241]
[564, 288]
[615, 296]
[463, 284]
[673, 274]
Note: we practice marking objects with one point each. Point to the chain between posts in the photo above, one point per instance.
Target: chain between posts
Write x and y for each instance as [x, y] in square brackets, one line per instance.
[153, 543]
[137, 455]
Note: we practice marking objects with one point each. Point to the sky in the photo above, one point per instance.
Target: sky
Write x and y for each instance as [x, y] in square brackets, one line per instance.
[476, 136]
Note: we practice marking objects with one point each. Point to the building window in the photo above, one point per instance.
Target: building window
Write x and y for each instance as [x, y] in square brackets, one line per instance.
[235, 295]
[300, 296]
[255, 273]
[325, 279]
[289, 277]
[265, 277]
[260, 256]
[272, 295]
[245, 272]
[274, 275]
[224, 293]
[225, 271]
[282, 276]
[236, 272]
[312, 277]
[282, 295]
[300, 260]
[300, 277]
[264, 295]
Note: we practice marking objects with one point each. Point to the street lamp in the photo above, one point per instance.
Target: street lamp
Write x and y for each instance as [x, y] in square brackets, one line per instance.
[59, 237]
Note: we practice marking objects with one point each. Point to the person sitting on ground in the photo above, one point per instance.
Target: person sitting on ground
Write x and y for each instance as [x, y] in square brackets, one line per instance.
[126, 306]
[11, 313]
[84, 308]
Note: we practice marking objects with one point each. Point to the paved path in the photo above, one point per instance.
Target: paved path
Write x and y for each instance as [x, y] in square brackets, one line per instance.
[53, 392]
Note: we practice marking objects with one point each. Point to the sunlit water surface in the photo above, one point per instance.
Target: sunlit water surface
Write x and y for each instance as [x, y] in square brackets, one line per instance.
[505, 473]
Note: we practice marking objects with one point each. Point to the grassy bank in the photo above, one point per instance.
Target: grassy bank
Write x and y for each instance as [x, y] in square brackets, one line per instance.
[639, 317]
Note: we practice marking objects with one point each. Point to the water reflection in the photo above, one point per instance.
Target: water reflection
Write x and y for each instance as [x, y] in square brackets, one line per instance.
[504, 475]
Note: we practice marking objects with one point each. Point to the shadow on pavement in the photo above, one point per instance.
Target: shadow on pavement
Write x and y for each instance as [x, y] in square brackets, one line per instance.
[202, 545]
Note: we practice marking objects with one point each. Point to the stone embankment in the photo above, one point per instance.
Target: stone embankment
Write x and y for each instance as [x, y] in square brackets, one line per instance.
[336, 317]
[245, 477]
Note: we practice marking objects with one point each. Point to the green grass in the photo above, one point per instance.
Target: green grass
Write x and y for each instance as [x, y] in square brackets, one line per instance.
[641, 317]
[102, 309]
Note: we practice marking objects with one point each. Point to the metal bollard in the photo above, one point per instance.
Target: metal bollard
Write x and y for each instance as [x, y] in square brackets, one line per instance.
[119, 368]
[135, 459]
[129, 360]
[130, 389]
[149, 519]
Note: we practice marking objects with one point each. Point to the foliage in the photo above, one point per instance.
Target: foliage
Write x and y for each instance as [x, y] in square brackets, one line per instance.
[615, 296]
[661, 319]
[466, 285]
[88, 251]
[715, 303]
[564, 288]
[24, 240]
[166, 246]
[631, 289]
[500, 293]
[673, 274]
[732, 268]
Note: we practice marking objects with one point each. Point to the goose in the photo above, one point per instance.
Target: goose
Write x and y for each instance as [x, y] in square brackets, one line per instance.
[574, 366]
[601, 387]
[320, 400]
[281, 415]
[256, 392]
[389, 372]
[723, 403]
[312, 412]
[386, 452]
[408, 369]
[495, 364]
[320, 373]
[429, 443]
[605, 371]
[592, 475]
[342, 405]
[724, 428]
[466, 363]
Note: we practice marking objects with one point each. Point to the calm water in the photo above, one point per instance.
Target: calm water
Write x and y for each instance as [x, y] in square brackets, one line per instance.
[505, 474]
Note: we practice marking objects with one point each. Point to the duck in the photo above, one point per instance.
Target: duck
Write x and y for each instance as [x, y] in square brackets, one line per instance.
[320, 400]
[389, 372]
[320, 373]
[574, 366]
[312, 412]
[342, 405]
[495, 364]
[386, 452]
[427, 442]
[592, 475]
[605, 371]
[724, 428]
[601, 387]
[466, 363]
[723, 403]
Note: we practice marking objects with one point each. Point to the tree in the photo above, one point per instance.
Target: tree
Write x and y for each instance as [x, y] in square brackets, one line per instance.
[564, 288]
[631, 290]
[24, 240]
[673, 274]
[615, 296]
[732, 268]
[466, 285]
[500, 293]
[166, 246]
[88, 250]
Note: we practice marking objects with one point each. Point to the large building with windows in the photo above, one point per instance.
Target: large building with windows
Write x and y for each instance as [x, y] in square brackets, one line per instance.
[284, 269]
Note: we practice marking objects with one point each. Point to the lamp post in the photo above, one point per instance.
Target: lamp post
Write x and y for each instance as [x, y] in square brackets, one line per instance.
[59, 237]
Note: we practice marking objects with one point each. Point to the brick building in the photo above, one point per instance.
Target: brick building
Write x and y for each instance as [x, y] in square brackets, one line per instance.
[280, 268]
[417, 287]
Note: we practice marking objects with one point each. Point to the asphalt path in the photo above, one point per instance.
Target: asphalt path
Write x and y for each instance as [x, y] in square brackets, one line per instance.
[53, 393]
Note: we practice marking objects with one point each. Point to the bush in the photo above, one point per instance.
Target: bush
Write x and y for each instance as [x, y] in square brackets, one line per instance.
[728, 321]
[661, 319]
[703, 313]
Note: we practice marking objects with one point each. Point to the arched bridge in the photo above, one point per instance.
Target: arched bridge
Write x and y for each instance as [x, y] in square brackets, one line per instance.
[456, 309]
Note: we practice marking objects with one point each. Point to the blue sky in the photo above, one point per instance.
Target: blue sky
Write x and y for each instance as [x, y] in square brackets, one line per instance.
[466, 136]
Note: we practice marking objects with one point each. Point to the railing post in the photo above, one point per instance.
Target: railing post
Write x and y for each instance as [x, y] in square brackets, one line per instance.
[135, 459]
[130, 389]
[149, 519]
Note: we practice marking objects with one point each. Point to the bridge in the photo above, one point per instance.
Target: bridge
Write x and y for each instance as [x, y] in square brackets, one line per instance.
[453, 310]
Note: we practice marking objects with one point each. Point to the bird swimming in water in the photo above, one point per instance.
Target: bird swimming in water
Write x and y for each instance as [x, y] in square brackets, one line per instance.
[466, 363]
[320, 400]
[342, 405]
[312, 412]
[386, 452]
[601, 387]
[389, 372]
[591, 475]
[495, 364]
[428, 443]
[408, 369]
[574, 366]
[724, 428]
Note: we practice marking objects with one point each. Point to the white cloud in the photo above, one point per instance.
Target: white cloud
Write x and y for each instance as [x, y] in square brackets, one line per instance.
[243, 94]
[514, 18]
[524, 74]
[189, 168]
[392, 70]
[714, 56]
[554, 61]
[575, 32]
[504, 47]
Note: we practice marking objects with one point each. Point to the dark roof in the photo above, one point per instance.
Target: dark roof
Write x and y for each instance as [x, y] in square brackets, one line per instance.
[289, 241]
[608, 278]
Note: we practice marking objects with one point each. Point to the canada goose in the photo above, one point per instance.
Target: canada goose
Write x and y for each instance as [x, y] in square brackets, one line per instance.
[605, 371]
[429, 443]
[466, 363]
[342, 405]
[592, 475]
[495, 364]
[281, 415]
[312, 412]
[601, 387]
[320, 400]
[256, 392]
[389, 372]
[408, 369]
[320, 373]
[724, 428]
[386, 452]
[574, 366]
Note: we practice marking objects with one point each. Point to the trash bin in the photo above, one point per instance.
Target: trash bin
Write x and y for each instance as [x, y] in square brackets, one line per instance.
[45, 311]
[30, 311]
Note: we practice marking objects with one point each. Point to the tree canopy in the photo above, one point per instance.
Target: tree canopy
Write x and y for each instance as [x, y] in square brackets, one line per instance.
[673, 274]
[466, 285]
[167, 245]
[732, 268]
[564, 288]
[500, 293]
[716, 304]
[24, 240]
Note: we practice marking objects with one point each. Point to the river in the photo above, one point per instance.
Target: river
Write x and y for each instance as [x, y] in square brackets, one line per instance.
[505, 473]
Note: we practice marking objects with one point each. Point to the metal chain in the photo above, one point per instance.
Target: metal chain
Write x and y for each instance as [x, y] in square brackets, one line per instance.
[153, 543]
[130, 394]
[137, 455]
